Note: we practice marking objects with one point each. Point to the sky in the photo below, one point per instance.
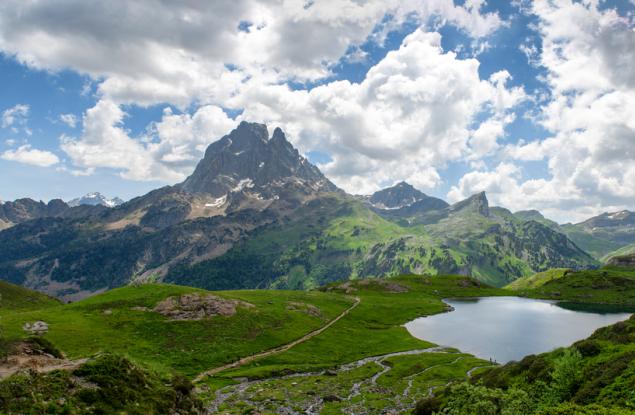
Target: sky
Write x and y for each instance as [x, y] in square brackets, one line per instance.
[530, 101]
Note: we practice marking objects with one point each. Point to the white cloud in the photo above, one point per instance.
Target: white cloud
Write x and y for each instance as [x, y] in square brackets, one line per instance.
[15, 115]
[150, 52]
[410, 116]
[26, 154]
[168, 153]
[69, 119]
[589, 55]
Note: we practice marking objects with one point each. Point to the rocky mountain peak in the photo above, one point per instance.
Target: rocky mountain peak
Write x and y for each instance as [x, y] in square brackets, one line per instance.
[247, 158]
[476, 203]
[400, 195]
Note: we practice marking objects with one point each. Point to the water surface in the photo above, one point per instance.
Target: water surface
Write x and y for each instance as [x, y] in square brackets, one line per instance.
[509, 328]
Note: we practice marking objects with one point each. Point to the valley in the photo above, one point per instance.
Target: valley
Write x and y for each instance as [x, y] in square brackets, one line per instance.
[340, 349]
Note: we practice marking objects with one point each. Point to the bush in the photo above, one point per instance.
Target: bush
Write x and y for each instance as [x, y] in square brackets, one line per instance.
[588, 348]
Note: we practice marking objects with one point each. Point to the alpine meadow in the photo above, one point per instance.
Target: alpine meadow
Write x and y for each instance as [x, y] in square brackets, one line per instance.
[321, 207]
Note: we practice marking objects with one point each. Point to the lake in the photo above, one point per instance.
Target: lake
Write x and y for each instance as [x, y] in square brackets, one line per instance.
[509, 328]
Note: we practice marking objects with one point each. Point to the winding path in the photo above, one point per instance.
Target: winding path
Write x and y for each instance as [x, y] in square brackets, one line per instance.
[278, 349]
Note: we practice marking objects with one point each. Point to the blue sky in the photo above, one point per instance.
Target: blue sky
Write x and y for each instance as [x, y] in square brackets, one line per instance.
[115, 104]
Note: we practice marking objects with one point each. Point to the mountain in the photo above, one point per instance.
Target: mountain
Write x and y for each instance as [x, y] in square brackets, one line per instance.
[603, 234]
[403, 195]
[95, 199]
[248, 159]
[23, 210]
[256, 214]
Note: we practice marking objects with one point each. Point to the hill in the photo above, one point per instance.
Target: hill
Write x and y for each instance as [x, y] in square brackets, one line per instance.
[217, 330]
[537, 280]
[256, 214]
[14, 298]
[159, 347]
[607, 285]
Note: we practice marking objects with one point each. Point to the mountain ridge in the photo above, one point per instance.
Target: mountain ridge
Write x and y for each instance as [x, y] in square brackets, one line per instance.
[256, 214]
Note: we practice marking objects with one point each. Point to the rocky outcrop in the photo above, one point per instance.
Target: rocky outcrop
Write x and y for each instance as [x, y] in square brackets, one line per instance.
[623, 261]
[37, 328]
[197, 306]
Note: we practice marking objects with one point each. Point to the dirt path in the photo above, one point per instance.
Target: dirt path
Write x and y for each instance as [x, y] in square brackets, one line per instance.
[278, 349]
[39, 363]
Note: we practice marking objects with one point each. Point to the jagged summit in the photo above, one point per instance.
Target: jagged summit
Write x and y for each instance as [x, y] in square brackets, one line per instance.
[400, 195]
[476, 203]
[247, 158]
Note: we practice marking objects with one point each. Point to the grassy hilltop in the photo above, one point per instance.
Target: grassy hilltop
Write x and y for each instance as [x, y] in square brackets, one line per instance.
[607, 285]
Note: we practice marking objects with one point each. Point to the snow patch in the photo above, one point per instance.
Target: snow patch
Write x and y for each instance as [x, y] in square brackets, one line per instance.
[217, 202]
[244, 183]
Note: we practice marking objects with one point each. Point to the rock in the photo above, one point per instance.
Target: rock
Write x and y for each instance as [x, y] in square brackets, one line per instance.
[331, 398]
[107, 312]
[309, 309]
[37, 328]
[196, 306]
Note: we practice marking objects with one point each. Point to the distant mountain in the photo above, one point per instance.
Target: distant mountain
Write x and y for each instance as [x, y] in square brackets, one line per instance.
[603, 234]
[23, 210]
[255, 214]
[95, 199]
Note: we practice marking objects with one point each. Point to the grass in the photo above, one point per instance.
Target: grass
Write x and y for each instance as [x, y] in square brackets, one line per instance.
[372, 328]
[608, 285]
[14, 298]
[626, 250]
[537, 280]
[108, 323]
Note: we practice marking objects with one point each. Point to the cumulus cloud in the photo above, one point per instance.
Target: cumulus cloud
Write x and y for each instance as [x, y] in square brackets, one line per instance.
[150, 52]
[15, 115]
[26, 154]
[589, 55]
[167, 153]
[411, 115]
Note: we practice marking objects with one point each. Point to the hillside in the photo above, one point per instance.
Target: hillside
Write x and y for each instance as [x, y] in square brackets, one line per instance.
[537, 280]
[607, 285]
[127, 321]
[14, 298]
[256, 214]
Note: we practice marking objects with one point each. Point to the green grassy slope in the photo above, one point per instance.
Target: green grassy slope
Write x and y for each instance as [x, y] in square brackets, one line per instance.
[374, 327]
[626, 250]
[537, 280]
[336, 238]
[608, 285]
[14, 298]
[108, 322]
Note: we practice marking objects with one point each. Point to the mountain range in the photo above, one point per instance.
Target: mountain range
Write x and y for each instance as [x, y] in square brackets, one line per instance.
[257, 214]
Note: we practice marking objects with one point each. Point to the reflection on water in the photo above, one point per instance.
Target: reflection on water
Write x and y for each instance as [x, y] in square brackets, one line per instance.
[509, 328]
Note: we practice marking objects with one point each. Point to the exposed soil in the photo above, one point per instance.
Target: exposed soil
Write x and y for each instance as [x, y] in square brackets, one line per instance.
[25, 357]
